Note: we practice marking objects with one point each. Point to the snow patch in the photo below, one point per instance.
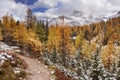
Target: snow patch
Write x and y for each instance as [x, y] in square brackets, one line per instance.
[4, 57]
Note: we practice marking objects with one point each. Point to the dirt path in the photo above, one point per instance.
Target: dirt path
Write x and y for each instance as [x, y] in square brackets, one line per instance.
[37, 70]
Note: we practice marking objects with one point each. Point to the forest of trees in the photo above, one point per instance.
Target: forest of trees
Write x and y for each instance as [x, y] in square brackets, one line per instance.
[61, 42]
[105, 35]
[93, 54]
[24, 34]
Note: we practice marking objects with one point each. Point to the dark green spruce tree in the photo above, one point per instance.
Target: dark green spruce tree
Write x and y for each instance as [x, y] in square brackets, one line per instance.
[40, 30]
[97, 70]
[54, 55]
[118, 69]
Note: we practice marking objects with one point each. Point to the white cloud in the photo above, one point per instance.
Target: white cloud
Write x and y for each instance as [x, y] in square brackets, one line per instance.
[59, 7]
[11, 7]
[91, 6]
[96, 7]
[115, 2]
[43, 15]
[45, 3]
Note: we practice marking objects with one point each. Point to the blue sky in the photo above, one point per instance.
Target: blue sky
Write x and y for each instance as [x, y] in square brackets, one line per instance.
[54, 8]
[31, 2]
[28, 2]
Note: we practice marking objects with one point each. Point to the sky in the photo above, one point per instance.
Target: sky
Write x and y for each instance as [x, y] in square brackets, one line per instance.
[54, 8]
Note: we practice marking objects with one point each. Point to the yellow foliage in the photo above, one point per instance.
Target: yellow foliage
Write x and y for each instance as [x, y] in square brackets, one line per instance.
[86, 49]
[54, 38]
[79, 41]
[24, 36]
[33, 39]
[20, 34]
[109, 52]
[1, 37]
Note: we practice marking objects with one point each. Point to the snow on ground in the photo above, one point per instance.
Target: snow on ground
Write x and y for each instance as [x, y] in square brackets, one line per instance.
[37, 70]
[4, 57]
[4, 47]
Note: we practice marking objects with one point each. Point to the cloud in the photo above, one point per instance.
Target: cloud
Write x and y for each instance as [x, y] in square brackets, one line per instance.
[115, 2]
[45, 4]
[90, 6]
[11, 7]
[55, 8]
[66, 7]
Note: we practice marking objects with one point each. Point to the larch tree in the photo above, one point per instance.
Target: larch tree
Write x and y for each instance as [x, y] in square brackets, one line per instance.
[79, 41]
[9, 27]
[20, 35]
[54, 38]
[1, 28]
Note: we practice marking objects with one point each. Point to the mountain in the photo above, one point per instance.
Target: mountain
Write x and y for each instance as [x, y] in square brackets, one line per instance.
[82, 18]
[110, 15]
[118, 12]
[76, 18]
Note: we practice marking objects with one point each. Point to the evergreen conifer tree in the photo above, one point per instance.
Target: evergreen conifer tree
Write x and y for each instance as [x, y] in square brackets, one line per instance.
[54, 55]
[97, 71]
[118, 69]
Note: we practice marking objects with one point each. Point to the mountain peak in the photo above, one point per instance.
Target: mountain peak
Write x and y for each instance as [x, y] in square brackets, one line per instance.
[118, 12]
[81, 18]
